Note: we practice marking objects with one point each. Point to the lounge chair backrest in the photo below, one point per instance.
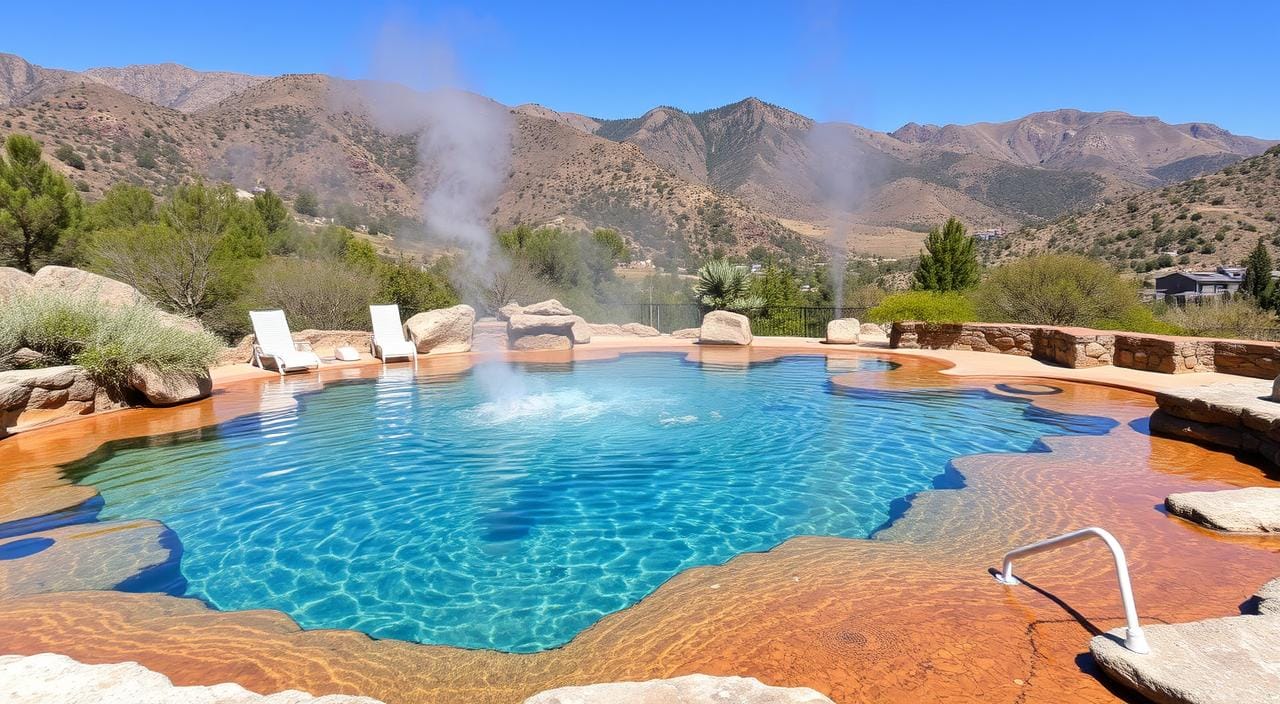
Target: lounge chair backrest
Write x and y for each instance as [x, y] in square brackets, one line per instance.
[271, 331]
[386, 323]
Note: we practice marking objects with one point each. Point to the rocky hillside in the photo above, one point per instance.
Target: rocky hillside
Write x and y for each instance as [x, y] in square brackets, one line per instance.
[676, 183]
[1141, 150]
[311, 132]
[174, 86]
[1201, 222]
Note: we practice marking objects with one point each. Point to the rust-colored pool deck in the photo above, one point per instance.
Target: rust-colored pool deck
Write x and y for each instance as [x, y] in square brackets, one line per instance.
[911, 615]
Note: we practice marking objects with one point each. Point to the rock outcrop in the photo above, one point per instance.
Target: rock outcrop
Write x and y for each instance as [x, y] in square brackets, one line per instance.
[442, 331]
[581, 330]
[548, 307]
[872, 330]
[1249, 510]
[1268, 598]
[540, 332]
[1236, 415]
[170, 389]
[1215, 661]
[690, 689]
[686, 333]
[32, 396]
[14, 282]
[68, 281]
[720, 327]
[623, 330]
[843, 331]
[48, 677]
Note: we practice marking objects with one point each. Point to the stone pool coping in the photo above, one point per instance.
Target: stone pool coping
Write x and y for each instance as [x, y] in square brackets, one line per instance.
[908, 615]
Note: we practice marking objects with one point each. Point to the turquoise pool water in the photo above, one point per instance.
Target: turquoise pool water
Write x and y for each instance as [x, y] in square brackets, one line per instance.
[423, 509]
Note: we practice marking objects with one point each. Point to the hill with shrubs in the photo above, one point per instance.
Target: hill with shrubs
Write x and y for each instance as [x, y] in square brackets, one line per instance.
[1198, 223]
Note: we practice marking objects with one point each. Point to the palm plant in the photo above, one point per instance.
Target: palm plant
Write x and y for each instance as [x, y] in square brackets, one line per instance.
[723, 286]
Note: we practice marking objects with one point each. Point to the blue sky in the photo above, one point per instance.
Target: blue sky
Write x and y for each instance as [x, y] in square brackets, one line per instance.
[878, 64]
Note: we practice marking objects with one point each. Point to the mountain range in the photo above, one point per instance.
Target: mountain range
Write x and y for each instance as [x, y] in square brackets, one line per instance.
[676, 183]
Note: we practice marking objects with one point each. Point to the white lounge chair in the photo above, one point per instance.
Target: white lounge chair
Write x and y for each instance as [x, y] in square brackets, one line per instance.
[387, 339]
[273, 342]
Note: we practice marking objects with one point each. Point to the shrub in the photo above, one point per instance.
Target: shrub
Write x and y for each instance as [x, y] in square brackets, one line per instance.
[1055, 289]
[1138, 319]
[106, 340]
[926, 306]
[1239, 318]
[69, 156]
[723, 286]
[319, 294]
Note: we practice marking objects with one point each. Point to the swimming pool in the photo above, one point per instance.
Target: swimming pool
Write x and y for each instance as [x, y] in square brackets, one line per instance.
[515, 506]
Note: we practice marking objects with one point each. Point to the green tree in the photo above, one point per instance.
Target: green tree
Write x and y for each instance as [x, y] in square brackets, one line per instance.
[723, 286]
[273, 211]
[199, 253]
[123, 205]
[777, 287]
[305, 203]
[609, 241]
[1055, 289]
[1257, 273]
[38, 205]
[950, 260]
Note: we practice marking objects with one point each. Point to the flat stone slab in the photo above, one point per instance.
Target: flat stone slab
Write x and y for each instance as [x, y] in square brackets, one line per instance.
[1228, 660]
[1234, 403]
[1268, 598]
[690, 689]
[1251, 510]
[43, 678]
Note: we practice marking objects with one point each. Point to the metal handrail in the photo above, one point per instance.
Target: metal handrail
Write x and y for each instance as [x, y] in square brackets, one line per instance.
[1134, 638]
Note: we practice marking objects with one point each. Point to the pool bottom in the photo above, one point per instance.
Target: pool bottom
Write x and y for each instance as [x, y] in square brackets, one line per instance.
[911, 615]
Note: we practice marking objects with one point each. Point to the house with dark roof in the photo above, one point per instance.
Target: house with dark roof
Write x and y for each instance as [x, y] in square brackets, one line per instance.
[1184, 285]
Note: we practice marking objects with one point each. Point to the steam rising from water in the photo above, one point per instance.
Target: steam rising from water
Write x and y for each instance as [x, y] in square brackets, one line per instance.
[836, 173]
[464, 152]
[463, 140]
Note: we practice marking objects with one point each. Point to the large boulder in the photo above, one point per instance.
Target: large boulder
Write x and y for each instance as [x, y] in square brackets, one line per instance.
[48, 677]
[543, 342]
[548, 307]
[623, 330]
[14, 282]
[505, 312]
[581, 330]
[169, 389]
[1250, 510]
[1214, 661]
[843, 331]
[720, 327]
[872, 330]
[32, 396]
[689, 689]
[443, 330]
[78, 283]
[541, 331]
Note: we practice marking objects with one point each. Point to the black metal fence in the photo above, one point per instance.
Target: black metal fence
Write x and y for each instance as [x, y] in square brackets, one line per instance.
[790, 321]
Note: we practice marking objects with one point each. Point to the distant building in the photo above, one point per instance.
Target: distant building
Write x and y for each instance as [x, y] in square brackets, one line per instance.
[1189, 285]
[994, 233]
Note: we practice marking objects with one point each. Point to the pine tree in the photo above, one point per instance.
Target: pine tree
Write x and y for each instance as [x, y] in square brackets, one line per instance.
[37, 205]
[1257, 273]
[950, 262]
